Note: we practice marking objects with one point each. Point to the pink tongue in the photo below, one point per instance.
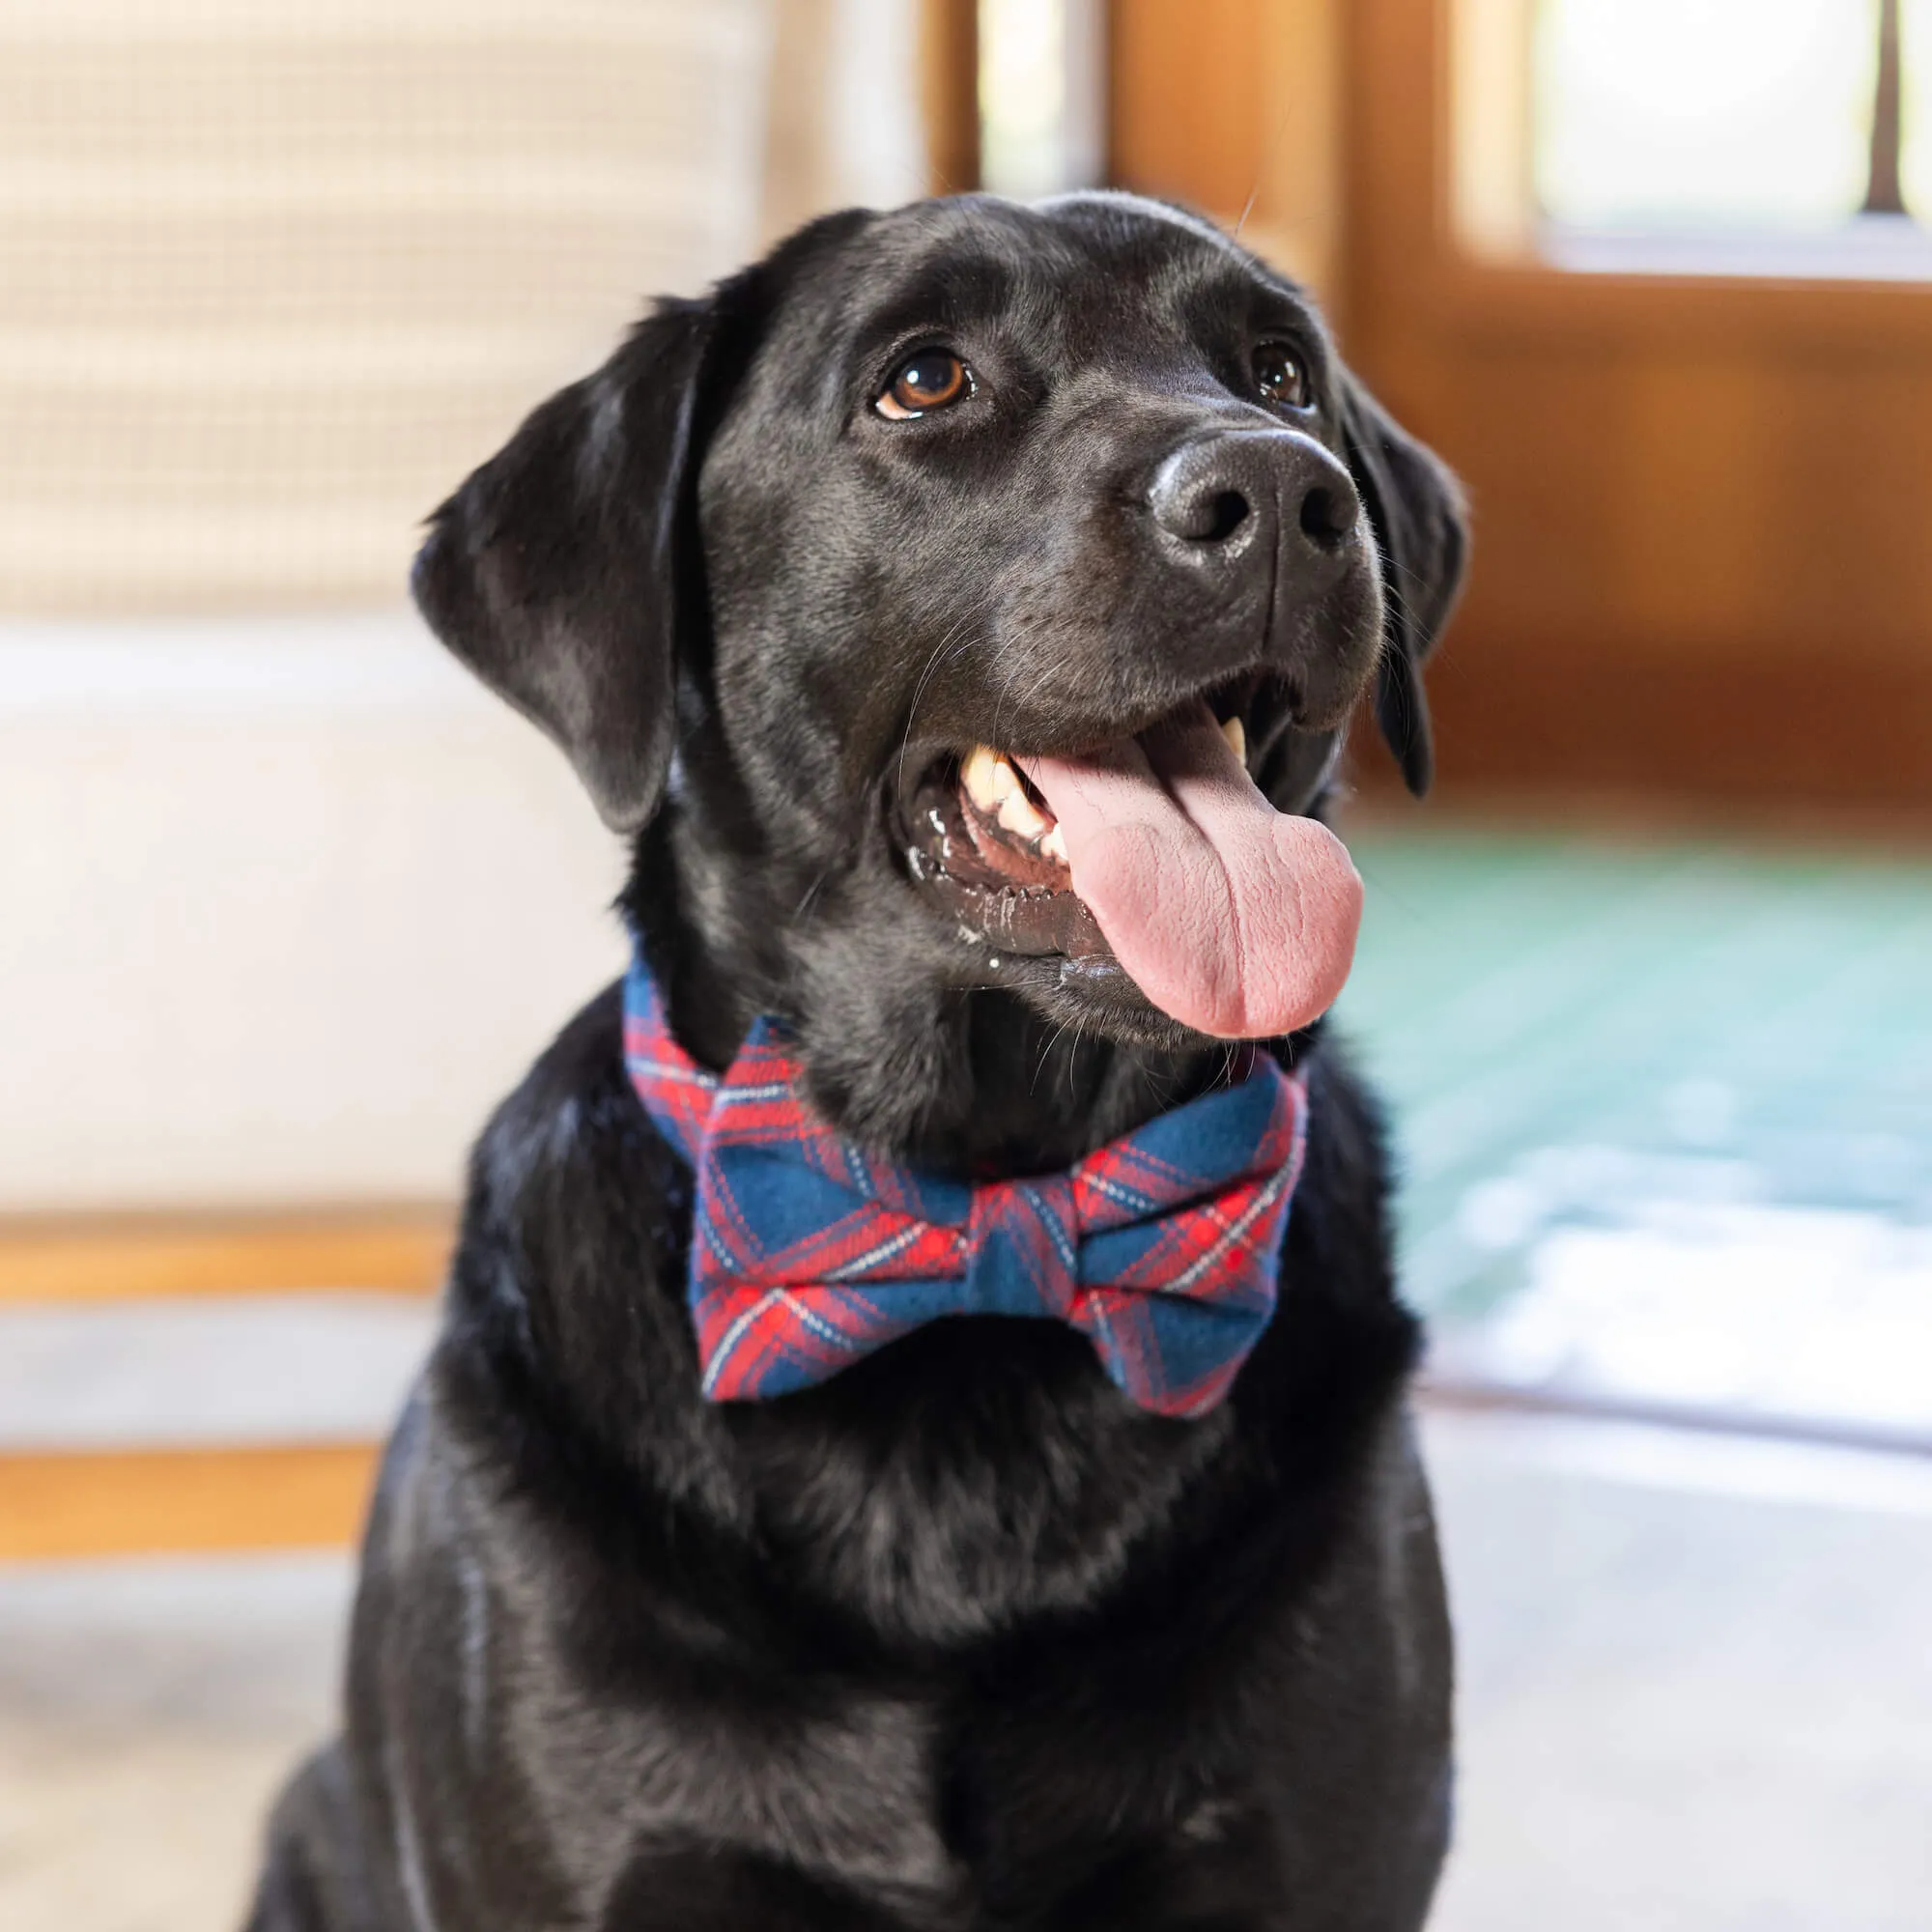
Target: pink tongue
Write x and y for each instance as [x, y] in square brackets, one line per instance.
[1231, 916]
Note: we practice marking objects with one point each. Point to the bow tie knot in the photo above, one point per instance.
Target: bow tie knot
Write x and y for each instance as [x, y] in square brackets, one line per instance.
[1023, 1247]
[807, 1253]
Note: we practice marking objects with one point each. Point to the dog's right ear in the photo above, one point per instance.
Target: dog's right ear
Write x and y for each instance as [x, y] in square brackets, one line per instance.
[1421, 524]
[554, 572]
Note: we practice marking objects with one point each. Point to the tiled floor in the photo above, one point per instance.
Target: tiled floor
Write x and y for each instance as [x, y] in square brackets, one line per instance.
[1763, 1020]
[1665, 1115]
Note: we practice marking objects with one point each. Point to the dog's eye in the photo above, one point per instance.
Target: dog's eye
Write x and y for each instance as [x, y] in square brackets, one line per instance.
[1279, 376]
[934, 379]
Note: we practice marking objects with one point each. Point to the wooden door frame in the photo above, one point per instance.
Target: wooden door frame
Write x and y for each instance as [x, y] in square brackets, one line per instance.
[1837, 724]
[1405, 243]
[948, 67]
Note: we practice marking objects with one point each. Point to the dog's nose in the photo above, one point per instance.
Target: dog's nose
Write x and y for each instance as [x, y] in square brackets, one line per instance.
[1212, 491]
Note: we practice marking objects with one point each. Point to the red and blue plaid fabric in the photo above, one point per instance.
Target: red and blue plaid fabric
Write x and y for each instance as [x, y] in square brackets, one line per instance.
[807, 1253]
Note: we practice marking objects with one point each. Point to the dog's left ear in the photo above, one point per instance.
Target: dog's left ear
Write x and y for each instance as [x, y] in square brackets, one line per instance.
[1420, 522]
[559, 572]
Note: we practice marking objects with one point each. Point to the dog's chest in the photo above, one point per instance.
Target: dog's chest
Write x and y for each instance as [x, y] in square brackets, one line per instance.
[953, 1825]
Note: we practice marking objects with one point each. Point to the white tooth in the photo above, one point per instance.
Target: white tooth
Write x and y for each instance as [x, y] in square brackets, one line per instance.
[1006, 780]
[1237, 735]
[1053, 845]
[1021, 816]
[981, 773]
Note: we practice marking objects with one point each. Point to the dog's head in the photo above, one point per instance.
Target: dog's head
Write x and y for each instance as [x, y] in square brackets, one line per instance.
[919, 594]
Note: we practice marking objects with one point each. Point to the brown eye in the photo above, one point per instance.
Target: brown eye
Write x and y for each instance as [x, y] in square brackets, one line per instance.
[1279, 376]
[932, 379]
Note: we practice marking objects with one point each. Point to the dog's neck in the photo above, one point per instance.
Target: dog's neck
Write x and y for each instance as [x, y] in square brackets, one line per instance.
[978, 1083]
[965, 1081]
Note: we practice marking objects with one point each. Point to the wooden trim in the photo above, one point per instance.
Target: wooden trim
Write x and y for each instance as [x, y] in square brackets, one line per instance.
[949, 59]
[121, 1258]
[1234, 107]
[140, 1502]
[1485, 301]
[1798, 735]
[63, 1504]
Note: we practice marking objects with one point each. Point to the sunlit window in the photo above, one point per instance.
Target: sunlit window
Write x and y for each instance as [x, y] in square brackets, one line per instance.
[1039, 96]
[1760, 118]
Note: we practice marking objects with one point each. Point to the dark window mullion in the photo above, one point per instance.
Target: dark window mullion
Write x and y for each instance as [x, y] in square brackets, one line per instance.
[1884, 192]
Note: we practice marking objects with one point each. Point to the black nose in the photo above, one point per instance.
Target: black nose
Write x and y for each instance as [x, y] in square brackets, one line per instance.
[1245, 484]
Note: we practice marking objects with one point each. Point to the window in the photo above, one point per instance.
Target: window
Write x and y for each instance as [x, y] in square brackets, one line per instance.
[1040, 96]
[1709, 135]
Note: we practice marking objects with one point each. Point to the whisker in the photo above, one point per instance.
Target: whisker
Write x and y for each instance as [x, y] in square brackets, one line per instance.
[812, 891]
[943, 648]
[1045, 1054]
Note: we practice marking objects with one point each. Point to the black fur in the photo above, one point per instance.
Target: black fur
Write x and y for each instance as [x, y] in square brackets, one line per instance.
[960, 1638]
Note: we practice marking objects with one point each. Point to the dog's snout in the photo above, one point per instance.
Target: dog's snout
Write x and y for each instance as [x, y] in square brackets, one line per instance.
[1216, 489]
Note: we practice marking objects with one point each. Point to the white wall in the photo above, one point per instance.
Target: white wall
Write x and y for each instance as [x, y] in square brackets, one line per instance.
[284, 907]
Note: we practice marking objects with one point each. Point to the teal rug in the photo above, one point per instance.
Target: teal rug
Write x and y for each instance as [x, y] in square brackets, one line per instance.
[1637, 1085]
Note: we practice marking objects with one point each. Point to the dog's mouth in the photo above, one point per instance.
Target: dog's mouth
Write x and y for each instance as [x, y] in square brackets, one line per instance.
[1152, 857]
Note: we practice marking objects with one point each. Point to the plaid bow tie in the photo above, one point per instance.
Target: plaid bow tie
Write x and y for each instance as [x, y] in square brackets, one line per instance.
[807, 1253]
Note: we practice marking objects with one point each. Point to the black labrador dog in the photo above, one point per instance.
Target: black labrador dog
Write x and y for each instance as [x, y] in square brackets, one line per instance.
[803, 581]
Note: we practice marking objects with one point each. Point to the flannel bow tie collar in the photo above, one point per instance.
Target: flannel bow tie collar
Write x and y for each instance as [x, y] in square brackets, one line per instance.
[1162, 1248]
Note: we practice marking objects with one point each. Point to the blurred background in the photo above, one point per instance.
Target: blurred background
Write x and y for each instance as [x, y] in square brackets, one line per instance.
[285, 903]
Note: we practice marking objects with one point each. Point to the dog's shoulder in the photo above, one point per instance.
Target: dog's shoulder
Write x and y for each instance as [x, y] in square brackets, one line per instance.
[573, 1113]
[563, 1296]
[568, 1165]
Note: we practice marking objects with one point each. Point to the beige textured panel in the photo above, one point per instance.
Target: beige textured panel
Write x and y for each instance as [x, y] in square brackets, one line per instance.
[276, 273]
[96, 275]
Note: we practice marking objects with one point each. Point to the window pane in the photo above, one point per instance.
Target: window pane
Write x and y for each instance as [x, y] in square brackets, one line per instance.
[1704, 113]
[1914, 24]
